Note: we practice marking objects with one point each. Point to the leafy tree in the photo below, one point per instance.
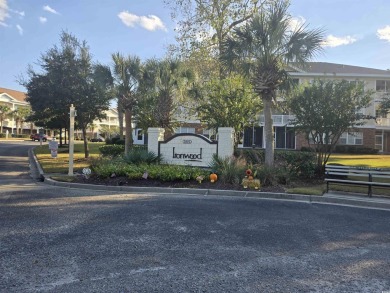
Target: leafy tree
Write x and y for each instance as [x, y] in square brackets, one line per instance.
[262, 48]
[67, 77]
[4, 112]
[204, 24]
[127, 73]
[324, 110]
[384, 106]
[20, 115]
[229, 103]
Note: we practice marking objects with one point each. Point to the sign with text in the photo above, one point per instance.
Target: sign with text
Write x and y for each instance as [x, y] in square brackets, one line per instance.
[188, 149]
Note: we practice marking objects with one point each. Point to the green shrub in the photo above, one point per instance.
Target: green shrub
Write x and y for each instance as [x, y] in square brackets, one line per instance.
[139, 156]
[117, 140]
[270, 176]
[229, 169]
[2, 135]
[354, 149]
[105, 167]
[112, 150]
[299, 164]
[252, 156]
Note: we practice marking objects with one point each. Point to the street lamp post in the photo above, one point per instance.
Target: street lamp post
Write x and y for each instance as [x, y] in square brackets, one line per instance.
[72, 114]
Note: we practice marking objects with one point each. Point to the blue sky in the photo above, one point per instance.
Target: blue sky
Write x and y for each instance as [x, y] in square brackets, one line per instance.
[357, 31]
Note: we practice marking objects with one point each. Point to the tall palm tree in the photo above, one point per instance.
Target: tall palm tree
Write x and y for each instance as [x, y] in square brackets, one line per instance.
[20, 115]
[165, 84]
[4, 112]
[127, 72]
[263, 48]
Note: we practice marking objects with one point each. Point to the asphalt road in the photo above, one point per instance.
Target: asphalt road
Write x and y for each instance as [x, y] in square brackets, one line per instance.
[56, 239]
[14, 164]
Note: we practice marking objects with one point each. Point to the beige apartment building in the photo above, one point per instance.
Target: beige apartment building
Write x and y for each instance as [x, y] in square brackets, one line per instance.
[374, 134]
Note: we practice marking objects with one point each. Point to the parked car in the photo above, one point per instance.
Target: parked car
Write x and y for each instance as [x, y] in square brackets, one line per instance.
[37, 136]
[97, 139]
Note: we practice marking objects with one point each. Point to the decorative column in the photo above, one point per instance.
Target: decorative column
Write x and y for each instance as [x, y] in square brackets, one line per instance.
[225, 142]
[154, 136]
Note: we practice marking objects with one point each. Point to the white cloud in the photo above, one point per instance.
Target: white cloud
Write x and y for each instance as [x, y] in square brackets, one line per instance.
[332, 41]
[20, 29]
[42, 19]
[150, 22]
[296, 22]
[3, 12]
[384, 33]
[20, 13]
[49, 9]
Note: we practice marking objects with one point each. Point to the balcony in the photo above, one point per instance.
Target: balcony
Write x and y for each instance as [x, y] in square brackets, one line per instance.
[278, 120]
[383, 122]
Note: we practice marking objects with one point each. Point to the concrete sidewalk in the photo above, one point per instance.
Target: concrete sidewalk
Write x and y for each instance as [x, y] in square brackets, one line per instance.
[354, 200]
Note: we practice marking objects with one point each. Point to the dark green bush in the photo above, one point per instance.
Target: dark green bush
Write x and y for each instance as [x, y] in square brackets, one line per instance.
[112, 150]
[229, 169]
[252, 156]
[104, 167]
[270, 176]
[299, 164]
[117, 140]
[139, 156]
[353, 149]
[2, 135]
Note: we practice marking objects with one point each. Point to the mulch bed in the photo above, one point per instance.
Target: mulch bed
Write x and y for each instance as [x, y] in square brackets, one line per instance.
[124, 181]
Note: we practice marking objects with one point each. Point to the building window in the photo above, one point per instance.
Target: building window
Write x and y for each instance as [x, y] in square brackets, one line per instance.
[139, 134]
[354, 138]
[383, 85]
[185, 130]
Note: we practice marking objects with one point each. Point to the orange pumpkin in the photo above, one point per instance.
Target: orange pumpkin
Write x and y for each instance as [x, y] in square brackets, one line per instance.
[213, 177]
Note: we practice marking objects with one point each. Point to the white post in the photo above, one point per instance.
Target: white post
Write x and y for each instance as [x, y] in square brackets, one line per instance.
[154, 136]
[225, 142]
[71, 139]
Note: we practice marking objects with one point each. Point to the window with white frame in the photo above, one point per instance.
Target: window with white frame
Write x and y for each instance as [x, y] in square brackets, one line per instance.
[353, 138]
[383, 86]
[185, 130]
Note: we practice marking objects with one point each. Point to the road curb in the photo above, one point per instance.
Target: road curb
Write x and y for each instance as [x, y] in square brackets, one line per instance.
[354, 201]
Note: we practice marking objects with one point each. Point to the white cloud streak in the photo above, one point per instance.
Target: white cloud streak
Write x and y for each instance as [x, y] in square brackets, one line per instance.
[42, 19]
[49, 9]
[384, 33]
[20, 29]
[150, 22]
[332, 41]
[3, 12]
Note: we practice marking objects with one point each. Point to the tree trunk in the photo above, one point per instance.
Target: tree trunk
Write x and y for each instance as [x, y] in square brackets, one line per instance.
[269, 133]
[65, 134]
[120, 118]
[60, 137]
[86, 148]
[129, 130]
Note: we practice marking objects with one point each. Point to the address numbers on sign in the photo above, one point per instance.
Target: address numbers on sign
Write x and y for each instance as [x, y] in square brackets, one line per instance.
[187, 141]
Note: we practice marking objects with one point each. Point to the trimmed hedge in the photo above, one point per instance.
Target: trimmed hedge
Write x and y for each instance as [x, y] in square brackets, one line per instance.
[353, 149]
[113, 150]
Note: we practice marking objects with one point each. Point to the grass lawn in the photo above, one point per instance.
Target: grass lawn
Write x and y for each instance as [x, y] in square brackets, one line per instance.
[373, 161]
[61, 163]
[369, 161]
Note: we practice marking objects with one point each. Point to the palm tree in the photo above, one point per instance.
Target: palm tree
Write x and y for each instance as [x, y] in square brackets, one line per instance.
[20, 115]
[127, 72]
[4, 112]
[165, 83]
[263, 48]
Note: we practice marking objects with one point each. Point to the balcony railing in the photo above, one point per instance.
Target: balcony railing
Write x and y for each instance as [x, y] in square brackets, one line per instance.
[279, 120]
[383, 122]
